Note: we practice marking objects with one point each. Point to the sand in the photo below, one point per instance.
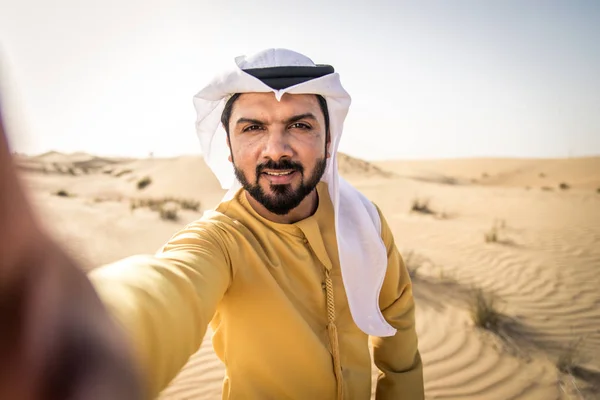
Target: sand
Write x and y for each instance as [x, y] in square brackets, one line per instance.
[543, 266]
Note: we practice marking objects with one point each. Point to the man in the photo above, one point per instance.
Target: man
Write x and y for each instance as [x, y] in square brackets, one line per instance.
[293, 270]
[57, 341]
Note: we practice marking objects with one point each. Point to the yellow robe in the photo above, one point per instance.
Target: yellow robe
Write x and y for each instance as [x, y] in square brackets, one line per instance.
[261, 287]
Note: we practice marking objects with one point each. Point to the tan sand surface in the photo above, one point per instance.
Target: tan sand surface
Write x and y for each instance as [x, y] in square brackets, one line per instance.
[533, 173]
[543, 267]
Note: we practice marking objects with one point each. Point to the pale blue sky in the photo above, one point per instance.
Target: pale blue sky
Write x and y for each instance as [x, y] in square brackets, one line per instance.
[428, 79]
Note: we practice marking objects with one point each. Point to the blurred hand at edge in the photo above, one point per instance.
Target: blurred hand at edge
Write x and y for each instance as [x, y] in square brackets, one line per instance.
[57, 340]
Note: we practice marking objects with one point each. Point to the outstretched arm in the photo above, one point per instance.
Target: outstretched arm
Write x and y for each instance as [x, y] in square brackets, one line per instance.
[397, 357]
[166, 301]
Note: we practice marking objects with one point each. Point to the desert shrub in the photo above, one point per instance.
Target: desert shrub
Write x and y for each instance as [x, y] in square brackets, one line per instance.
[484, 312]
[168, 211]
[145, 181]
[498, 234]
[421, 206]
[491, 236]
[62, 193]
[155, 204]
[542, 175]
[547, 188]
[564, 186]
[567, 358]
[412, 262]
[123, 172]
[188, 204]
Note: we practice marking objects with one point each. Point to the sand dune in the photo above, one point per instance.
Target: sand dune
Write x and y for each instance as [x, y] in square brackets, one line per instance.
[580, 173]
[544, 267]
[351, 167]
[54, 162]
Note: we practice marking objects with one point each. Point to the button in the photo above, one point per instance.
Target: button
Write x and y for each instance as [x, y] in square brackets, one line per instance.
[305, 241]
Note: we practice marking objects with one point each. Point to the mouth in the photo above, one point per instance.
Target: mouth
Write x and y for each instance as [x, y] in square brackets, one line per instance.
[279, 177]
[279, 173]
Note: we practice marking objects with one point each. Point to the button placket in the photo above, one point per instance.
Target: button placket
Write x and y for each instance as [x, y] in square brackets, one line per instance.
[327, 287]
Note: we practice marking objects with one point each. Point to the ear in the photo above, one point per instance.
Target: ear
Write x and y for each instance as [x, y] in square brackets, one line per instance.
[328, 146]
[229, 145]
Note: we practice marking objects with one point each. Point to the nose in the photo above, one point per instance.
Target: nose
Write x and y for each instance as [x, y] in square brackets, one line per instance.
[277, 145]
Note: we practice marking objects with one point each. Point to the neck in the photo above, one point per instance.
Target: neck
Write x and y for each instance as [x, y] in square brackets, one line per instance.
[305, 209]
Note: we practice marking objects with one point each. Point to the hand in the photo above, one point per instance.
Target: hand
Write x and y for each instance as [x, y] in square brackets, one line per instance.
[57, 341]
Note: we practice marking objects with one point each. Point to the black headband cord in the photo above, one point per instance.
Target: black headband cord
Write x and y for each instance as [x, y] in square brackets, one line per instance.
[283, 77]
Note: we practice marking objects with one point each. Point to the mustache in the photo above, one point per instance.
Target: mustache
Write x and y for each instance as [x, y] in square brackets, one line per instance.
[279, 165]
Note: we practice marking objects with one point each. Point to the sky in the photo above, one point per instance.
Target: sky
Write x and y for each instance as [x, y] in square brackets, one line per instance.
[428, 79]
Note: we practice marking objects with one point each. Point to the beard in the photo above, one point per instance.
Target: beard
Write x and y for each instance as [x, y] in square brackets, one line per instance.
[284, 197]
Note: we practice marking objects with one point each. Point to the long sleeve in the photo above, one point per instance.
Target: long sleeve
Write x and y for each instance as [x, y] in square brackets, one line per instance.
[166, 301]
[397, 357]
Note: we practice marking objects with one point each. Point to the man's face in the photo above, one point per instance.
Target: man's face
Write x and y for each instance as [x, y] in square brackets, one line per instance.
[278, 148]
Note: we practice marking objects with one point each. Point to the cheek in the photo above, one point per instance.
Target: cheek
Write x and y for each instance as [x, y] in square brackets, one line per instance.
[310, 150]
[245, 157]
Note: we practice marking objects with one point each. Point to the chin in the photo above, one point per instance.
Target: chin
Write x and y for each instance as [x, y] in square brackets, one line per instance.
[279, 190]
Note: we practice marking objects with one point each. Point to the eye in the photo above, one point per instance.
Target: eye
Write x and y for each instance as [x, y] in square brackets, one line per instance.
[252, 128]
[300, 125]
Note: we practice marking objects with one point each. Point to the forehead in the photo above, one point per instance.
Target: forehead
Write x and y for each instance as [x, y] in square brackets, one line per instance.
[266, 104]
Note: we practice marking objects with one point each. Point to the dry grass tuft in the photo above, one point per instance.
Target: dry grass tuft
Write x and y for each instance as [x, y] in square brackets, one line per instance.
[188, 204]
[413, 262]
[145, 181]
[169, 211]
[123, 172]
[491, 236]
[62, 193]
[567, 358]
[156, 204]
[577, 381]
[494, 234]
[421, 206]
[105, 198]
[484, 311]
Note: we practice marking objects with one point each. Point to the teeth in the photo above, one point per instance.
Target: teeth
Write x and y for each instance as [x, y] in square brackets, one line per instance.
[278, 173]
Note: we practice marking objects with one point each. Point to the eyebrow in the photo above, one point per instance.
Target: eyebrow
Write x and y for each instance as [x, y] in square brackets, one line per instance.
[249, 121]
[291, 120]
[297, 118]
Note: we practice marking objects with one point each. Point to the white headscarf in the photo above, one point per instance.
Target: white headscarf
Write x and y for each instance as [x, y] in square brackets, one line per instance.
[363, 256]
